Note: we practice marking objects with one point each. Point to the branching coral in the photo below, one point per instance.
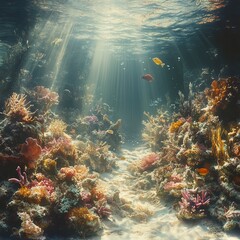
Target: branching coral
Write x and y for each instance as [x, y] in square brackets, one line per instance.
[155, 131]
[193, 204]
[176, 125]
[22, 181]
[45, 97]
[97, 157]
[223, 97]
[18, 109]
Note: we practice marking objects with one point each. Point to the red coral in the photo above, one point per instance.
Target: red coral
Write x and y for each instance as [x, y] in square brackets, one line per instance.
[30, 151]
[148, 161]
[67, 173]
[46, 96]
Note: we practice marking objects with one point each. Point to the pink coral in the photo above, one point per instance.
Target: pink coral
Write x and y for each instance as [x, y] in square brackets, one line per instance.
[148, 161]
[46, 95]
[22, 180]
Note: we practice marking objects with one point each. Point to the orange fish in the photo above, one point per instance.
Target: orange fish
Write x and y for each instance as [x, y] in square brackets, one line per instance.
[148, 77]
[202, 171]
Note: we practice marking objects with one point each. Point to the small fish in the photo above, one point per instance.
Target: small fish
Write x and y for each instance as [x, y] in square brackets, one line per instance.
[148, 77]
[122, 158]
[109, 131]
[202, 171]
[158, 61]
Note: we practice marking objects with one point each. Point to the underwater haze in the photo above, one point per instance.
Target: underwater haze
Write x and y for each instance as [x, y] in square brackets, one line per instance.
[119, 119]
[109, 45]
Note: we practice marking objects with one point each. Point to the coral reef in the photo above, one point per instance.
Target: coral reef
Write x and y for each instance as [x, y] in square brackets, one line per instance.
[198, 149]
[98, 128]
[49, 183]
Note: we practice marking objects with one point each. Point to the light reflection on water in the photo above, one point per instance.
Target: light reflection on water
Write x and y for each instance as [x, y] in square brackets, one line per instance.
[136, 25]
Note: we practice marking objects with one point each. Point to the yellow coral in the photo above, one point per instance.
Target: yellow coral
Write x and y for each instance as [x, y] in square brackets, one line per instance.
[49, 164]
[16, 108]
[57, 127]
[82, 216]
[23, 192]
[176, 125]
[218, 147]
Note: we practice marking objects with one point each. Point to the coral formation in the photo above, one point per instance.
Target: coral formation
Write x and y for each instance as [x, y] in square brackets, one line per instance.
[17, 108]
[199, 155]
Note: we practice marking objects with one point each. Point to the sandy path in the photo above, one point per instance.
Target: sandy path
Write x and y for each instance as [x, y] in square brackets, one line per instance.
[149, 220]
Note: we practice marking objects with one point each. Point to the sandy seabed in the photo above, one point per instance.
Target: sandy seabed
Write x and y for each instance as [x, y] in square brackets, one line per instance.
[163, 223]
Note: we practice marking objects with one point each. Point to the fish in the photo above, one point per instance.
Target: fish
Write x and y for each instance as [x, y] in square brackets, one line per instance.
[202, 171]
[158, 61]
[148, 77]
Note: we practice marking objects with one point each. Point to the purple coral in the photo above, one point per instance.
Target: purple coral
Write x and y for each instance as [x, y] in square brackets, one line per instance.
[22, 180]
[193, 204]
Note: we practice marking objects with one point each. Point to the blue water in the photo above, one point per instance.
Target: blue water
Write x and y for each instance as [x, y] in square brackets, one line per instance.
[101, 49]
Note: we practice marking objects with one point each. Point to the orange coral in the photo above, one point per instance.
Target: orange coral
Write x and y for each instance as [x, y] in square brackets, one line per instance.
[23, 192]
[67, 173]
[31, 151]
[223, 97]
[16, 108]
[97, 194]
[176, 125]
[82, 215]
